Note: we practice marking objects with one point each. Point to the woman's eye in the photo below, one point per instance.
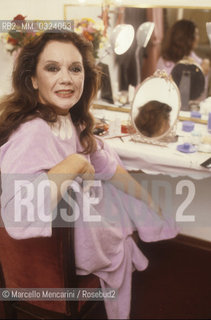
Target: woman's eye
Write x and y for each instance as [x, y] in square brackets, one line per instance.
[52, 68]
[76, 69]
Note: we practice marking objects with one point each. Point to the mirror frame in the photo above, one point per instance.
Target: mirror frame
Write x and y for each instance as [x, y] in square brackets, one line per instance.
[170, 133]
[183, 4]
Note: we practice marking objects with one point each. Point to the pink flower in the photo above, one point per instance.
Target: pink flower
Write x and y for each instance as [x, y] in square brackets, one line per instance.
[91, 29]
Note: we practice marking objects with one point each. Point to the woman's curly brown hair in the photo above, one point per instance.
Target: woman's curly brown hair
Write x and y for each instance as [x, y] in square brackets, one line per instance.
[22, 104]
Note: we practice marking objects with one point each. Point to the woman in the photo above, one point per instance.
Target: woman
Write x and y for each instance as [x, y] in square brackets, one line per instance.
[47, 146]
[180, 43]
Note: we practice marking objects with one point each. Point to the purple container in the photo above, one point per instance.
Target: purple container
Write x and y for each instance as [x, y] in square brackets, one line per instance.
[186, 148]
[188, 126]
[195, 114]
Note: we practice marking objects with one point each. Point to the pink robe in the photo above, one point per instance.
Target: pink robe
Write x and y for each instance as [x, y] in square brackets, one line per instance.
[103, 248]
[167, 65]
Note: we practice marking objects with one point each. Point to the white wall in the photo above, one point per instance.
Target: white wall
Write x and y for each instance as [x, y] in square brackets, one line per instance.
[33, 9]
[38, 9]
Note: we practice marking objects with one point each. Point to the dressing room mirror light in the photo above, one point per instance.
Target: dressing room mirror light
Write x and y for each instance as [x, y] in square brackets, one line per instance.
[119, 35]
[117, 43]
[143, 33]
[155, 109]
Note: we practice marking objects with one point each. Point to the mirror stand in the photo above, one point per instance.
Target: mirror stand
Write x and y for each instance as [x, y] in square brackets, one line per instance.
[155, 110]
[162, 141]
[138, 138]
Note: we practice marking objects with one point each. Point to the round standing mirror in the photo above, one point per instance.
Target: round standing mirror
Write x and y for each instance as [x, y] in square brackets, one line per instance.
[155, 108]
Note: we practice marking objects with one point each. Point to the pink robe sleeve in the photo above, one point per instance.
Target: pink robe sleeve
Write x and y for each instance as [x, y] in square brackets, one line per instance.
[25, 199]
[105, 161]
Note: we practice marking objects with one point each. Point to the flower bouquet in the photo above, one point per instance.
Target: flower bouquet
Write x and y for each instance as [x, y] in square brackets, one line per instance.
[93, 32]
[16, 38]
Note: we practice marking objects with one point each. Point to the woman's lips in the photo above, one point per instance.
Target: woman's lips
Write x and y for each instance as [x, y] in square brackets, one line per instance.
[64, 93]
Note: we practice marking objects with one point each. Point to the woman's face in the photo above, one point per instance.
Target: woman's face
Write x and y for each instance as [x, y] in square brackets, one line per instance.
[59, 76]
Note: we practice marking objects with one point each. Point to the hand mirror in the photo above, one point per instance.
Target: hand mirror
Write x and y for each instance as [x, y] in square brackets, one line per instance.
[155, 109]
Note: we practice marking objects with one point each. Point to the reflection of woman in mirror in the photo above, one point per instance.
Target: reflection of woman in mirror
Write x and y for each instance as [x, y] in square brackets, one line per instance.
[181, 41]
[153, 118]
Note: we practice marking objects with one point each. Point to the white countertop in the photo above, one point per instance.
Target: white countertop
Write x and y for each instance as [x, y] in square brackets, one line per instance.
[154, 158]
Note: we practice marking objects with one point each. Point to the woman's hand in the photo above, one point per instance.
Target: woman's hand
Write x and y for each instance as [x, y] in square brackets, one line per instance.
[75, 164]
[68, 169]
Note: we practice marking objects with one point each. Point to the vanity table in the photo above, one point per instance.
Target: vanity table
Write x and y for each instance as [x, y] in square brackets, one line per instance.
[154, 158]
[177, 176]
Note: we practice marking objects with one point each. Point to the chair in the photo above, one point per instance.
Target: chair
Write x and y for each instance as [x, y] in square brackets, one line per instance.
[43, 263]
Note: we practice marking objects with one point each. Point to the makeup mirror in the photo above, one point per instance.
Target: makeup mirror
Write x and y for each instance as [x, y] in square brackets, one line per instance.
[155, 109]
